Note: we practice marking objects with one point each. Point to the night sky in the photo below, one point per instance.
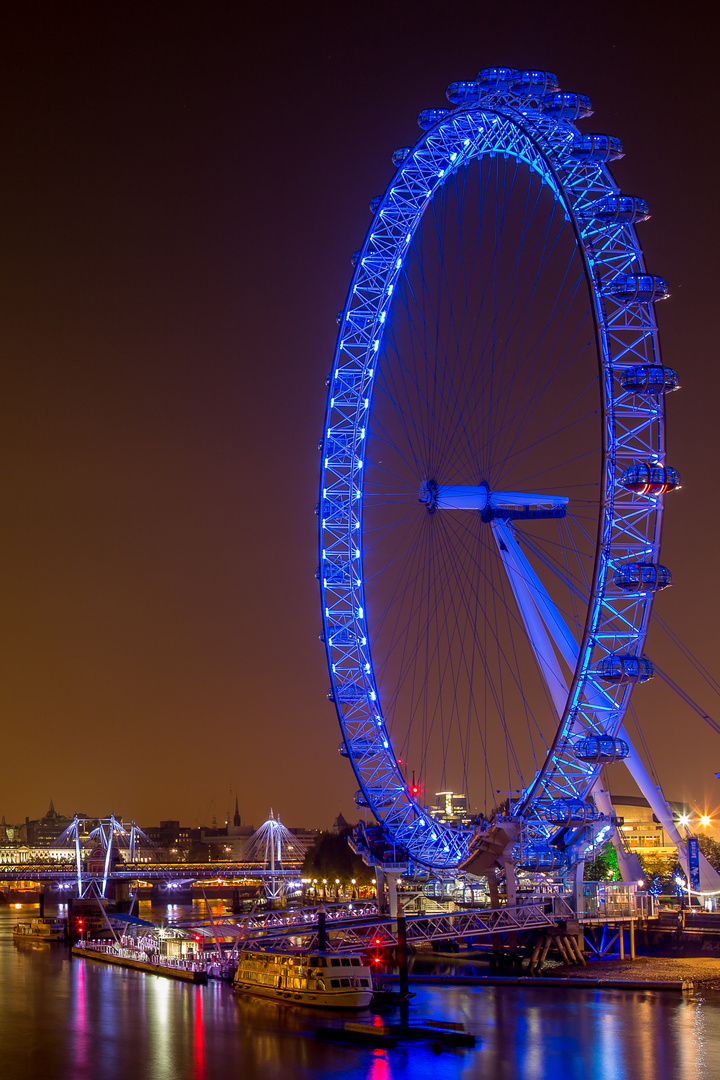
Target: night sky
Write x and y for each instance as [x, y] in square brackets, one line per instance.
[181, 188]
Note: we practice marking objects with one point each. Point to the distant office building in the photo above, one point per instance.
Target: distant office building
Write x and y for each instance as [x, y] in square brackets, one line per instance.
[641, 830]
[43, 832]
[172, 840]
[450, 808]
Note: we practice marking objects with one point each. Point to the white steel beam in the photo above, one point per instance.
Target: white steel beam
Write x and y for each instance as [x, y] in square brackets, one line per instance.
[537, 634]
[568, 648]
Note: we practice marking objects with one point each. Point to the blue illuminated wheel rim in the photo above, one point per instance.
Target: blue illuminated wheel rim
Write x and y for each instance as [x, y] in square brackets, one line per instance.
[416, 379]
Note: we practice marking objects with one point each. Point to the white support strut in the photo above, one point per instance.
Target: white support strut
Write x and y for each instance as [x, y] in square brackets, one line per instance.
[529, 586]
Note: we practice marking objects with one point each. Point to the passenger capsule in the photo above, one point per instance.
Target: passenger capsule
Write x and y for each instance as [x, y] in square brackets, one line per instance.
[570, 812]
[601, 749]
[342, 634]
[637, 288]
[430, 117]
[359, 320]
[336, 574]
[541, 857]
[355, 257]
[568, 106]
[463, 93]
[399, 155]
[595, 149]
[379, 800]
[619, 209]
[334, 510]
[620, 668]
[347, 382]
[534, 85]
[648, 479]
[339, 446]
[351, 692]
[374, 203]
[343, 750]
[649, 379]
[496, 80]
[642, 577]
[362, 747]
[378, 260]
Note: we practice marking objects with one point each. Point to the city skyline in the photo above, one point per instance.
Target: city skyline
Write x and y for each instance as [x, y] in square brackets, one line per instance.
[181, 199]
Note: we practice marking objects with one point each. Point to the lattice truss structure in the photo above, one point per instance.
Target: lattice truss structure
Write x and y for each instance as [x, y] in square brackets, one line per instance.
[361, 935]
[522, 117]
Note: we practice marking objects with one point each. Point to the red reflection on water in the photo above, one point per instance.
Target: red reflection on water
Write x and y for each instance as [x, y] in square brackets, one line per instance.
[379, 1066]
[80, 1024]
[199, 1033]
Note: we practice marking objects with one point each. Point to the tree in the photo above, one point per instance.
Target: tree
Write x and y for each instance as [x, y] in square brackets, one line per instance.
[655, 866]
[711, 850]
[331, 857]
[604, 867]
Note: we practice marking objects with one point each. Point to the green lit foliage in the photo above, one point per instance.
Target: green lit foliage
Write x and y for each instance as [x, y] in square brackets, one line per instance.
[604, 867]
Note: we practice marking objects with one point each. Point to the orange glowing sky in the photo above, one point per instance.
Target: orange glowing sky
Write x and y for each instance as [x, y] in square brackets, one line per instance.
[182, 187]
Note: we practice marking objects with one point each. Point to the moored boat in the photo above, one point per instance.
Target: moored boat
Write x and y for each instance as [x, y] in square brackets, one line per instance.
[40, 930]
[307, 978]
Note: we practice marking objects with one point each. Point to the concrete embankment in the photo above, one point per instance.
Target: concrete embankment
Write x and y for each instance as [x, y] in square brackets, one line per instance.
[141, 965]
[698, 972]
[570, 979]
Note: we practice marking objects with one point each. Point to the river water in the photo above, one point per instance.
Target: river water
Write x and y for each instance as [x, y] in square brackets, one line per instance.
[83, 1020]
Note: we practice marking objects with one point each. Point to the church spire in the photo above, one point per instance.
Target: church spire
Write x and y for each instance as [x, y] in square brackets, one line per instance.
[236, 818]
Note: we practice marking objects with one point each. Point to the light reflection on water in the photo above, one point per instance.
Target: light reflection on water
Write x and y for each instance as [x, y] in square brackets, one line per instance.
[82, 1020]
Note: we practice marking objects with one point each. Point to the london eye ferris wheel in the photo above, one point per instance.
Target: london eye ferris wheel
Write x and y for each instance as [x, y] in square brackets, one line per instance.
[493, 475]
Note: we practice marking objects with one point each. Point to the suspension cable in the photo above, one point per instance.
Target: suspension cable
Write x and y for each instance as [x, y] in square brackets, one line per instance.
[687, 699]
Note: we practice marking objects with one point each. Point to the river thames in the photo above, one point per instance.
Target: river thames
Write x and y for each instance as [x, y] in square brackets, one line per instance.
[81, 1020]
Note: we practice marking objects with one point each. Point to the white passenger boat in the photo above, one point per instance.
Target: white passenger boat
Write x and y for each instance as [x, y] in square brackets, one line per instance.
[308, 978]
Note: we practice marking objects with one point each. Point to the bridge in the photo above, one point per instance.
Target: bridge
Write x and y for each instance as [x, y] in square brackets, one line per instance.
[111, 855]
[66, 877]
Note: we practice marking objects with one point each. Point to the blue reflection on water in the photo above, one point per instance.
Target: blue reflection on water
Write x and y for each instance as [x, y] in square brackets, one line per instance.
[82, 1020]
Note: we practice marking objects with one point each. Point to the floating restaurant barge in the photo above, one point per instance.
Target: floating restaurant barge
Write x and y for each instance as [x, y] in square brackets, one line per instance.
[307, 978]
[39, 930]
[139, 960]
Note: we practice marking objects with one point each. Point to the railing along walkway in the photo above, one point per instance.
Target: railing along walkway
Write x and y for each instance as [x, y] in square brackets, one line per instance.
[359, 934]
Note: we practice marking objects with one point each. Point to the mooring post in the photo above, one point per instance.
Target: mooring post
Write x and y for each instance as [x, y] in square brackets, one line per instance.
[402, 955]
[69, 931]
[622, 942]
[322, 932]
[632, 939]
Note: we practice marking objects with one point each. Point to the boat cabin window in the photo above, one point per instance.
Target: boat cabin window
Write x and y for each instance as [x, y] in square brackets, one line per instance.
[334, 982]
[355, 962]
[314, 961]
[344, 982]
[345, 962]
[335, 961]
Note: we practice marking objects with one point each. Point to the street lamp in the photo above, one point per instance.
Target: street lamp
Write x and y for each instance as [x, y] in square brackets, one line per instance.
[705, 820]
